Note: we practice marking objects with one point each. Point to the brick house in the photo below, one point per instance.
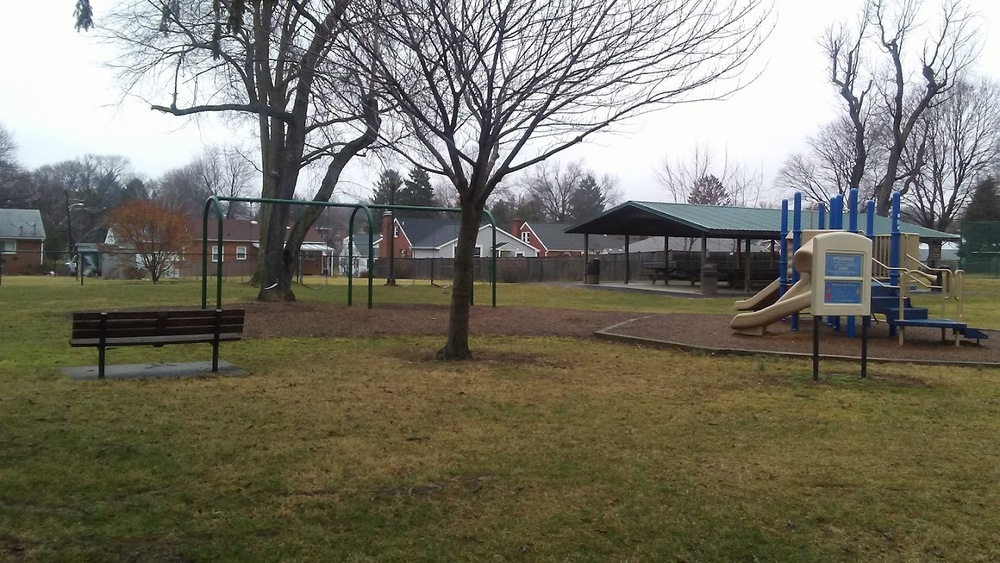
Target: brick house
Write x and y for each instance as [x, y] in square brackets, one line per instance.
[22, 241]
[240, 246]
[552, 241]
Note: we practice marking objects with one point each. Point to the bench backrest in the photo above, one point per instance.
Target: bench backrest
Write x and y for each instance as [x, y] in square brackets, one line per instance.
[156, 323]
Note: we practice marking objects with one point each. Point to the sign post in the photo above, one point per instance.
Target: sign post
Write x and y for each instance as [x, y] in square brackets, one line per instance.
[841, 285]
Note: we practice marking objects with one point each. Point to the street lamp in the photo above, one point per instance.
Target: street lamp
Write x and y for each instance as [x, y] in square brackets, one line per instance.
[69, 232]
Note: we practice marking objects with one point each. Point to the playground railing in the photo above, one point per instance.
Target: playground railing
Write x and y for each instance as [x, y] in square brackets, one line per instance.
[952, 286]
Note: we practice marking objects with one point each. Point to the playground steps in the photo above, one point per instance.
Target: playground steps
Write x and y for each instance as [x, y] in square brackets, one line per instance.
[885, 301]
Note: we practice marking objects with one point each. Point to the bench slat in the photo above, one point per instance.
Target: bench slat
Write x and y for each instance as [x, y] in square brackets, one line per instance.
[156, 340]
[117, 332]
[191, 313]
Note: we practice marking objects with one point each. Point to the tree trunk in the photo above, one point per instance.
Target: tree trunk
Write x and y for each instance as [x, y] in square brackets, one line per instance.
[934, 253]
[275, 285]
[457, 347]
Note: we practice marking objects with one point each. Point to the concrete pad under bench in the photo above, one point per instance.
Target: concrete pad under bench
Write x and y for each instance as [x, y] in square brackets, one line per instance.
[154, 371]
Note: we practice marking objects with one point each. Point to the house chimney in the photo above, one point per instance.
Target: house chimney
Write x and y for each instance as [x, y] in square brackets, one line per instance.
[515, 226]
[387, 232]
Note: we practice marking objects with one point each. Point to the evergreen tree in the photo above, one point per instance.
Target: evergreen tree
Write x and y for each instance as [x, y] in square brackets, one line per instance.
[588, 200]
[985, 202]
[708, 190]
[387, 189]
[417, 190]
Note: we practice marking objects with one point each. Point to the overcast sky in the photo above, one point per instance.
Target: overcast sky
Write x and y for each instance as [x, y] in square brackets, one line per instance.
[60, 103]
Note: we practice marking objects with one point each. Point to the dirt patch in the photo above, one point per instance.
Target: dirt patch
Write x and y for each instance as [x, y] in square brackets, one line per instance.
[266, 320]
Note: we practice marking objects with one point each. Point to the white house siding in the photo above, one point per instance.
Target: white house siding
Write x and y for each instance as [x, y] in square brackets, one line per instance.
[509, 246]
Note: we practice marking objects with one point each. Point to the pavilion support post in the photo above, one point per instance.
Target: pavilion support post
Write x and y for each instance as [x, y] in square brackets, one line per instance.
[586, 254]
[746, 279]
[704, 251]
[626, 259]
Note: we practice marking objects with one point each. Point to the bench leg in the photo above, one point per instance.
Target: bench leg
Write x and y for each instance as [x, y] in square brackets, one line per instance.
[102, 347]
[215, 341]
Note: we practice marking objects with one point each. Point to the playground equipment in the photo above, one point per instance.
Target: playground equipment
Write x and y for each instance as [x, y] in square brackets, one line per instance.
[213, 207]
[895, 271]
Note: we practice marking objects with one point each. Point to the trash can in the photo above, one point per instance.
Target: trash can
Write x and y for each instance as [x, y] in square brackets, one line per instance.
[709, 279]
[593, 271]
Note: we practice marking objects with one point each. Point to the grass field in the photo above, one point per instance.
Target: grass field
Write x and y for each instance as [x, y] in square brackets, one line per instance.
[542, 449]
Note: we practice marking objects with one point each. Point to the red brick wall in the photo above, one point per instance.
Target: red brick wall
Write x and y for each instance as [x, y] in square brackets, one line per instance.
[26, 261]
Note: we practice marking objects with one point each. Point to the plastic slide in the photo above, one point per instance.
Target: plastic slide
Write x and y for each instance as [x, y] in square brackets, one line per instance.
[762, 299]
[797, 298]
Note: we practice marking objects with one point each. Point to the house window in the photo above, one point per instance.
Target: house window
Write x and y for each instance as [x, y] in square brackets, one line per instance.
[395, 231]
[478, 252]
[8, 246]
[526, 237]
[241, 253]
[215, 253]
[308, 255]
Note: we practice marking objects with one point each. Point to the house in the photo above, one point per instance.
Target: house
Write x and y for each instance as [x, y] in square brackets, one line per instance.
[438, 238]
[240, 246]
[551, 239]
[22, 241]
[356, 255]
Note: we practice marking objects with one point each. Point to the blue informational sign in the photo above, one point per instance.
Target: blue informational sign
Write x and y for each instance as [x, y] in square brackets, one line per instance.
[842, 292]
[843, 265]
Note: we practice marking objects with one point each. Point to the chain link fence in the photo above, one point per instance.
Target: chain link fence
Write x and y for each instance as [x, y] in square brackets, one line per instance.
[980, 251]
[239, 266]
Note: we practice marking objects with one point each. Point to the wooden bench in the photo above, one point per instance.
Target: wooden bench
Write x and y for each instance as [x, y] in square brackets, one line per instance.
[156, 328]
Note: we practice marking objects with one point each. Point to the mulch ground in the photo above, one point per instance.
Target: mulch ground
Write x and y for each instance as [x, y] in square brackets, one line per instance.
[265, 320]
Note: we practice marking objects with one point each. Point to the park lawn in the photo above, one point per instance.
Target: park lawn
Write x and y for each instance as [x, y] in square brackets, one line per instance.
[543, 448]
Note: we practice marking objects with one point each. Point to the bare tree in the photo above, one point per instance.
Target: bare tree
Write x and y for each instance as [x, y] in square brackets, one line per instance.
[960, 146]
[156, 233]
[830, 165]
[226, 172]
[552, 185]
[887, 26]
[280, 65]
[14, 185]
[487, 88]
[681, 175]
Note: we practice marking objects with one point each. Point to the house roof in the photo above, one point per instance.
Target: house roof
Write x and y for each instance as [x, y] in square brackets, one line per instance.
[555, 238]
[21, 224]
[713, 221]
[427, 232]
[242, 230]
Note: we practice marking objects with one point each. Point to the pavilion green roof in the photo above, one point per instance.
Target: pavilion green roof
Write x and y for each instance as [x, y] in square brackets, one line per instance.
[646, 218]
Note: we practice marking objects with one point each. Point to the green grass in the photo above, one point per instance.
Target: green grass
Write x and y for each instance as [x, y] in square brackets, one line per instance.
[542, 449]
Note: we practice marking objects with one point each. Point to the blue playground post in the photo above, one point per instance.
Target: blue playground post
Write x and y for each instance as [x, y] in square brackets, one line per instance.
[852, 211]
[837, 212]
[783, 251]
[894, 258]
[821, 222]
[852, 226]
[796, 243]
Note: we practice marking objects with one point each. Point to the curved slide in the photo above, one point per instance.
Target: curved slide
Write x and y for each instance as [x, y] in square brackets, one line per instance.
[762, 299]
[797, 298]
